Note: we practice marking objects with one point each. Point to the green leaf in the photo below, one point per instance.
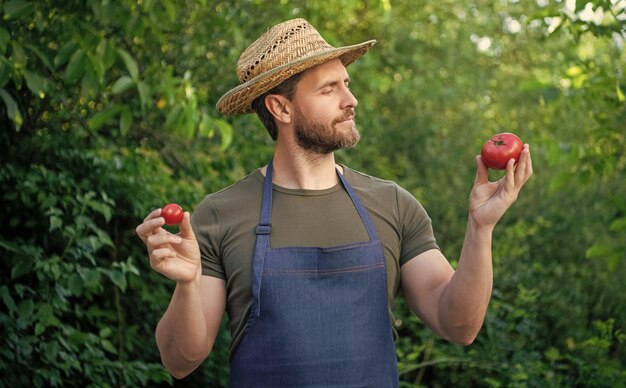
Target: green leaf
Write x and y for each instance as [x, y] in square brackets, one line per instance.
[51, 351]
[226, 133]
[105, 332]
[89, 85]
[55, 222]
[106, 53]
[129, 267]
[620, 95]
[6, 68]
[188, 122]
[619, 225]
[99, 119]
[7, 299]
[98, 67]
[12, 109]
[40, 328]
[598, 250]
[25, 310]
[170, 8]
[126, 120]
[42, 57]
[75, 284]
[118, 278]
[91, 277]
[16, 9]
[144, 93]
[45, 314]
[64, 53]
[130, 64]
[36, 83]
[174, 116]
[108, 346]
[18, 55]
[75, 67]
[5, 37]
[204, 127]
[21, 267]
[122, 84]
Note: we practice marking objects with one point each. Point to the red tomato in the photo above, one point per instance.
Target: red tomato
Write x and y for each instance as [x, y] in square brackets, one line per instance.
[172, 213]
[501, 148]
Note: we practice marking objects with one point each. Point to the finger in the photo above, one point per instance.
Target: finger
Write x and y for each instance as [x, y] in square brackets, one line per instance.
[163, 253]
[153, 214]
[482, 172]
[185, 229]
[159, 255]
[160, 239]
[524, 167]
[149, 227]
[529, 163]
[508, 180]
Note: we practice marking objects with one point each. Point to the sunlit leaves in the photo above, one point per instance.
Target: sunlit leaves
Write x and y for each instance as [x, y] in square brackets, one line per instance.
[130, 63]
[122, 84]
[109, 109]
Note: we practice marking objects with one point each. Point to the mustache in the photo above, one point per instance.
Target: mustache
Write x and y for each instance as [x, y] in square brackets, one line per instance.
[350, 114]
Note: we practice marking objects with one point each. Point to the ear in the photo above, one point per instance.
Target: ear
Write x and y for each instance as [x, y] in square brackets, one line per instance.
[279, 107]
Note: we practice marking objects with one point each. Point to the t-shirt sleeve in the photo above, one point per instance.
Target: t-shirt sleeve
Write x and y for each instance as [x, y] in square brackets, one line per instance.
[206, 226]
[415, 227]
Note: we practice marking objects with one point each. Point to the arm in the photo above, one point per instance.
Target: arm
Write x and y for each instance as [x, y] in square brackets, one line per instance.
[454, 303]
[186, 333]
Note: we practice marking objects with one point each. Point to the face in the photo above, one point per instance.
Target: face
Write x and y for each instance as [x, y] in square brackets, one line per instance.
[324, 110]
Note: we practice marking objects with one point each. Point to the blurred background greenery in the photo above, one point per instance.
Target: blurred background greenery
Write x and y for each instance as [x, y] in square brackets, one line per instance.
[107, 110]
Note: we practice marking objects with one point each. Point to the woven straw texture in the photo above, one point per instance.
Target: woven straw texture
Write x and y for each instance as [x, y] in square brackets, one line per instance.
[284, 50]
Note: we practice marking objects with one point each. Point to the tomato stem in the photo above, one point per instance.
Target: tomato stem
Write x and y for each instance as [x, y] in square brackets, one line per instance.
[498, 142]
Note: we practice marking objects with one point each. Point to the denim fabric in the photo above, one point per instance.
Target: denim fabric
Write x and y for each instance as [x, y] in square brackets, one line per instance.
[319, 315]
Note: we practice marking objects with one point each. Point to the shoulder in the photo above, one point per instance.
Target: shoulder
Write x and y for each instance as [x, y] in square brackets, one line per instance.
[387, 197]
[362, 181]
[371, 186]
[233, 195]
[230, 203]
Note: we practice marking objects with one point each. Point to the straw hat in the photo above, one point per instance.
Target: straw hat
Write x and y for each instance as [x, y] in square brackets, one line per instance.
[284, 50]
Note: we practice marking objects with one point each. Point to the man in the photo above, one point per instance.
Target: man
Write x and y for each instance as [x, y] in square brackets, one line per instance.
[306, 255]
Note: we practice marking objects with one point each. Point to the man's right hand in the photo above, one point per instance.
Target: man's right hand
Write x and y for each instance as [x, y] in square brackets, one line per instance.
[176, 256]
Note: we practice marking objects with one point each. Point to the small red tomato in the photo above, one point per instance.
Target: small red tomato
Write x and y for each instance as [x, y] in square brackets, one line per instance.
[172, 213]
[501, 148]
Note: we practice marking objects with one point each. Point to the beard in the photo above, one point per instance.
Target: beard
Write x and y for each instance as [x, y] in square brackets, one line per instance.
[323, 139]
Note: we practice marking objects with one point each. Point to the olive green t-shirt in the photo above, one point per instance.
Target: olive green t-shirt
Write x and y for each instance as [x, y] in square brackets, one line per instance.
[225, 221]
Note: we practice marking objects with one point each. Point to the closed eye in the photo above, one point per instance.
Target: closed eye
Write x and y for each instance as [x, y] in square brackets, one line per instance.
[329, 87]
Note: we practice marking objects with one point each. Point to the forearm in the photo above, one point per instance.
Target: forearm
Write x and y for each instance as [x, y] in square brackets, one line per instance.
[465, 300]
[181, 334]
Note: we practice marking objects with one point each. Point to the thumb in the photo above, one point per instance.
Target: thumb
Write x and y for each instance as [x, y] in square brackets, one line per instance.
[185, 229]
[482, 172]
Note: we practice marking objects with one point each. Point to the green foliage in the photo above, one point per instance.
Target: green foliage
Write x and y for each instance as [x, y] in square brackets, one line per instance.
[107, 111]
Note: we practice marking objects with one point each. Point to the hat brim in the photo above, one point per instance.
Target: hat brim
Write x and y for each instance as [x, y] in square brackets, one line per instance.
[239, 99]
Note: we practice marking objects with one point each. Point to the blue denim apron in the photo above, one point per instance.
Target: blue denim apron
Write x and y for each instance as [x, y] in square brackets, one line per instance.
[319, 316]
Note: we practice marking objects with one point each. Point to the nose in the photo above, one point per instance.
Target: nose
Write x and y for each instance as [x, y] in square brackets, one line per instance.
[349, 100]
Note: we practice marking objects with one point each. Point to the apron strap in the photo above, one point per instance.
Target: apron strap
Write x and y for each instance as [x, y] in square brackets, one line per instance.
[367, 222]
[262, 240]
[264, 228]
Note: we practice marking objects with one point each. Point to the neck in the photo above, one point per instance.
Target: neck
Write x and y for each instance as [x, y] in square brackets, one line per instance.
[301, 170]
